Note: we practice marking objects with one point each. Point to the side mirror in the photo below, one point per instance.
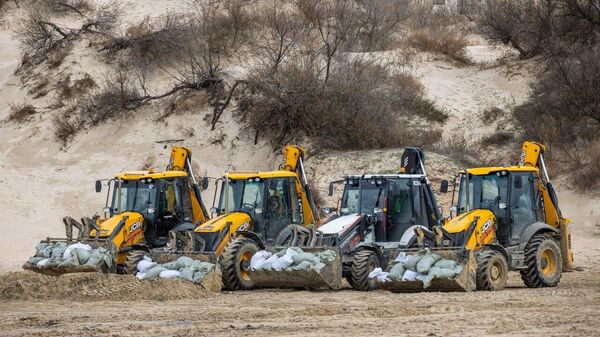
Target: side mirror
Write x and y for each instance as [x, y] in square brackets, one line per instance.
[98, 186]
[444, 186]
[518, 182]
[330, 191]
[204, 183]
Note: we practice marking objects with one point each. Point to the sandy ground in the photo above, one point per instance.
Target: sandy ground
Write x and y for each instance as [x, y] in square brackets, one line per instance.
[40, 183]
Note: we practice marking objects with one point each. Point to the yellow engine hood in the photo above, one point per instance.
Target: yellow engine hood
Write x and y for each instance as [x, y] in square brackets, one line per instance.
[237, 221]
[462, 222]
[108, 226]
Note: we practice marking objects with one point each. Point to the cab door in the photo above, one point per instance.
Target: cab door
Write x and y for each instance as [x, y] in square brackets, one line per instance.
[278, 209]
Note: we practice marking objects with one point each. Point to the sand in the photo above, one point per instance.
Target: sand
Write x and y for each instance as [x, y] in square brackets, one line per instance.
[40, 183]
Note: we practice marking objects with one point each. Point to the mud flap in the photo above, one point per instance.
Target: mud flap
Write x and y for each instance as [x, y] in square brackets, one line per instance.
[465, 281]
[329, 277]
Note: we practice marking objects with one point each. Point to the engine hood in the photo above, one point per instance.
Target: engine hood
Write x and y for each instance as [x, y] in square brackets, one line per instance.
[341, 224]
[236, 221]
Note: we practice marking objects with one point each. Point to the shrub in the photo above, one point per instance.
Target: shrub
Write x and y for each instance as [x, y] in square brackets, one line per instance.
[64, 129]
[21, 112]
[491, 114]
[445, 41]
[362, 105]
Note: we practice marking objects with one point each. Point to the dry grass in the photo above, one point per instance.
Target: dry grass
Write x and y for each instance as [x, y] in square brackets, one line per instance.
[446, 41]
[21, 112]
[64, 129]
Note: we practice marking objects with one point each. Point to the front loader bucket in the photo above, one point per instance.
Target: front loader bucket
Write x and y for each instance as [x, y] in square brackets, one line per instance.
[60, 270]
[328, 277]
[464, 281]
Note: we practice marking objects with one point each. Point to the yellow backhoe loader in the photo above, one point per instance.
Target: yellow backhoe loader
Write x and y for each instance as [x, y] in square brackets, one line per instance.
[142, 207]
[507, 218]
[255, 211]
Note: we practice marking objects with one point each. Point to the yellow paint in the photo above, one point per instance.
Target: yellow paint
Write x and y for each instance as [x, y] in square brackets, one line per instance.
[218, 224]
[484, 232]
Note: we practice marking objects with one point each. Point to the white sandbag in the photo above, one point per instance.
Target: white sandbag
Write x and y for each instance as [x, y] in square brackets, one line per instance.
[169, 274]
[68, 253]
[428, 260]
[396, 272]
[291, 251]
[258, 259]
[185, 261]
[402, 257]
[410, 275]
[59, 249]
[42, 263]
[70, 262]
[266, 266]
[140, 276]
[43, 250]
[446, 264]
[34, 260]
[282, 263]
[379, 274]
[272, 259]
[145, 264]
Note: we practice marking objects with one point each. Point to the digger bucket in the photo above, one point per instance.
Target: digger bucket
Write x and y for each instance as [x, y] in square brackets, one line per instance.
[465, 281]
[328, 277]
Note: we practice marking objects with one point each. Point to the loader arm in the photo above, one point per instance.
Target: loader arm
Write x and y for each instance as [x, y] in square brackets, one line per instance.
[293, 161]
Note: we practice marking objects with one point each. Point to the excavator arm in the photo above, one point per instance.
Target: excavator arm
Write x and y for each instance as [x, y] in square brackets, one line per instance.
[181, 160]
[293, 161]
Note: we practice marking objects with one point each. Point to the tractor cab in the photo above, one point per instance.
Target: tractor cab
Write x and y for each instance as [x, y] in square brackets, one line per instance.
[269, 199]
[511, 193]
[162, 199]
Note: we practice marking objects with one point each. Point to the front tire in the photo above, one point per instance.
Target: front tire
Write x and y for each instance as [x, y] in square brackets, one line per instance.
[543, 261]
[132, 260]
[364, 262]
[234, 264]
[492, 270]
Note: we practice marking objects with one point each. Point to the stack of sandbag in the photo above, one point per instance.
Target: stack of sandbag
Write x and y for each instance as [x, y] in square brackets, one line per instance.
[184, 268]
[59, 254]
[292, 258]
[424, 266]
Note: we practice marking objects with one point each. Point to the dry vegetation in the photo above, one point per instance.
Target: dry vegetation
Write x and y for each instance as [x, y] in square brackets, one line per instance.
[564, 109]
[21, 112]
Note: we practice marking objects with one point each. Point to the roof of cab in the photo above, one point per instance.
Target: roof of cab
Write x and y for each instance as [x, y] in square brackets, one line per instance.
[137, 175]
[480, 171]
[262, 175]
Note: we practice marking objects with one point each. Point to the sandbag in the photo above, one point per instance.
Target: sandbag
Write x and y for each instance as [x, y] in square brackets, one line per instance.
[258, 259]
[82, 254]
[327, 256]
[266, 266]
[410, 275]
[304, 265]
[43, 263]
[140, 276]
[413, 260]
[43, 250]
[153, 272]
[298, 258]
[379, 274]
[186, 274]
[283, 262]
[428, 260]
[270, 260]
[68, 253]
[70, 262]
[174, 265]
[59, 249]
[185, 261]
[402, 258]
[145, 264]
[446, 263]
[318, 266]
[440, 273]
[169, 274]
[34, 260]
[96, 258]
[396, 272]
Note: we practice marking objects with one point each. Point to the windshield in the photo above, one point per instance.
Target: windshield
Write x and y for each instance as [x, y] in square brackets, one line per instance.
[372, 196]
[136, 196]
[241, 195]
[482, 192]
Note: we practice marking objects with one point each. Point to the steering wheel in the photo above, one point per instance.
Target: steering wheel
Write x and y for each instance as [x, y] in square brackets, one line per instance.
[494, 202]
[248, 207]
[273, 204]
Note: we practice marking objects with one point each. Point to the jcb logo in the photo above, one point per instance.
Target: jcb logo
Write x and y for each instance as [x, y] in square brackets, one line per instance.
[486, 230]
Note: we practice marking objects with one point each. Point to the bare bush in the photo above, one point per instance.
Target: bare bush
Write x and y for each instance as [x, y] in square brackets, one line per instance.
[360, 106]
[449, 42]
[460, 150]
[66, 89]
[21, 112]
[64, 129]
[497, 138]
[378, 21]
[523, 24]
[492, 114]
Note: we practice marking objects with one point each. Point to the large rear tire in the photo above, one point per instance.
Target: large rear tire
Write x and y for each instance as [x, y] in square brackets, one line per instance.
[132, 260]
[363, 263]
[234, 264]
[543, 261]
[492, 270]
